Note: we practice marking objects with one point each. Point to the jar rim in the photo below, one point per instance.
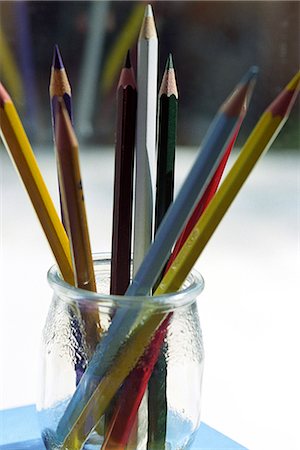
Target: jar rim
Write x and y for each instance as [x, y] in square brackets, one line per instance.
[69, 293]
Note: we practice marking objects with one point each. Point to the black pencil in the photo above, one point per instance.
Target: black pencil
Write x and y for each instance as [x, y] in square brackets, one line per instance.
[123, 185]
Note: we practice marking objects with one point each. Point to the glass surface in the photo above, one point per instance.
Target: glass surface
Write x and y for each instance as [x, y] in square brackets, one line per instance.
[64, 358]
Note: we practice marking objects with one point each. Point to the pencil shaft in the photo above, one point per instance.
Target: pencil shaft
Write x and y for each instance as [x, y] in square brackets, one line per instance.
[258, 143]
[98, 12]
[122, 210]
[18, 146]
[165, 157]
[262, 137]
[73, 200]
[204, 201]
[157, 389]
[212, 149]
[76, 221]
[126, 39]
[59, 87]
[145, 139]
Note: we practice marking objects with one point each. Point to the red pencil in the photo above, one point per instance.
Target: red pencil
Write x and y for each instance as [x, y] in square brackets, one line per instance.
[134, 388]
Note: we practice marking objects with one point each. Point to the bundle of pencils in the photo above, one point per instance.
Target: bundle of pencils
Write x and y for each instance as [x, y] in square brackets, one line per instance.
[182, 227]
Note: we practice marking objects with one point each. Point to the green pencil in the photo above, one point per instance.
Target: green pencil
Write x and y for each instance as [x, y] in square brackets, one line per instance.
[168, 105]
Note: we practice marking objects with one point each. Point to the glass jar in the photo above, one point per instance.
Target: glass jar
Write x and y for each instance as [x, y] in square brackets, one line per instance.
[149, 397]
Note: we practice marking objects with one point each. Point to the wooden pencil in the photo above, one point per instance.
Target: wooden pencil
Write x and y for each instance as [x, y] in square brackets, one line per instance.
[258, 142]
[59, 87]
[145, 137]
[139, 377]
[213, 147]
[75, 214]
[20, 151]
[168, 105]
[10, 71]
[125, 39]
[91, 66]
[210, 191]
[123, 185]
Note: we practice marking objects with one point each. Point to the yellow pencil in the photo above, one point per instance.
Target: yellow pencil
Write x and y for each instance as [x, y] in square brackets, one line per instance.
[18, 146]
[124, 41]
[10, 72]
[259, 141]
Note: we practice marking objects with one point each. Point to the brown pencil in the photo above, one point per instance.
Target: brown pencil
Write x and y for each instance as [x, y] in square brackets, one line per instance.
[123, 185]
[59, 87]
[75, 214]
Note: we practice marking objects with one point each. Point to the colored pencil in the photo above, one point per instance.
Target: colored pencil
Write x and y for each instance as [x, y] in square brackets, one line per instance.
[75, 214]
[139, 378]
[145, 137]
[10, 71]
[98, 12]
[208, 194]
[59, 87]
[168, 104]
[123, 185]
[24, 43]
[258, 142]
[212, 150]
[125, 39]
[20, 151]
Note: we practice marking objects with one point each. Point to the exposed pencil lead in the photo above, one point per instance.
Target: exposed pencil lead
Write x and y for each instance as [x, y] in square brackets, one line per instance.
[169, 64]
[168, 85]
[252, 73]
[4, 97]
[283, 103]
[239, 99]
[294, 83]
[148, 11]
[57, 62]
[148, 30]
[128, 61]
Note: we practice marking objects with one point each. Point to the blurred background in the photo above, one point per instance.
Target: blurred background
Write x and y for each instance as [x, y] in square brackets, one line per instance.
[249, 309]
[213, 44]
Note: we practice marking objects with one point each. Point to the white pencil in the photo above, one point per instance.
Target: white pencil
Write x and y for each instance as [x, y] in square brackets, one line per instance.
[145, 137]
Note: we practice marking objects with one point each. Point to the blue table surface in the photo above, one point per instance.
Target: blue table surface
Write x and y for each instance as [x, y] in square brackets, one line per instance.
[19, 430]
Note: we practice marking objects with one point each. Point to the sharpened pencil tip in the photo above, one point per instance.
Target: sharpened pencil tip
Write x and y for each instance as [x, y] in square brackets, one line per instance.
[148, 11]
[168, 85]
[237, 102]
[169, 64]
[128, 60]
[250, 75]
[294, 83]
[284, 102]
[148, 30]
[57, 62]
[4, 97]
